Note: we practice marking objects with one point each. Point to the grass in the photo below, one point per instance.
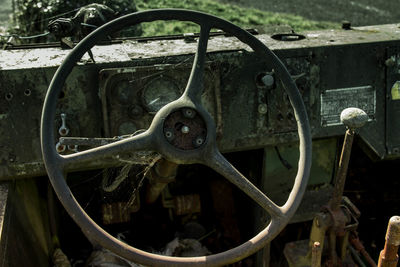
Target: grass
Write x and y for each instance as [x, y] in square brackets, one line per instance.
[244, 17]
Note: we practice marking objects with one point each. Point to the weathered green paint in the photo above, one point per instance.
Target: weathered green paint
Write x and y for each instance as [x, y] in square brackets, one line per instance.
[278, 178]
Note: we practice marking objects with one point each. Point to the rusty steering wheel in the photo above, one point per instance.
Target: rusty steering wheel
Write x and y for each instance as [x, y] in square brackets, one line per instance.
[187, 150]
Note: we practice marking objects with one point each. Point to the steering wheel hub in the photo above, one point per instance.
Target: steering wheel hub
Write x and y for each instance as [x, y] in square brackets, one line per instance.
[185, 129]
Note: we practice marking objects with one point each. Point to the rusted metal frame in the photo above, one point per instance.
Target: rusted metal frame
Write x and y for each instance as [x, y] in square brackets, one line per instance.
[316, 254]
[338, 215]
[358, 246]
[321, 223]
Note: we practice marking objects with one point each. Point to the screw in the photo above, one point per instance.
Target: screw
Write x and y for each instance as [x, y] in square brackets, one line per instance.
[262, 109]
[268, 80]
[73, 148]
[185, 129]
[189, 113]
[9, 96]
[60, 148]
[27, 92]
[169, 134]
[198, 141]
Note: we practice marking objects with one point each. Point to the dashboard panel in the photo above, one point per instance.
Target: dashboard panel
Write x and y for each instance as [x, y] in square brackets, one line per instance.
[129, 81]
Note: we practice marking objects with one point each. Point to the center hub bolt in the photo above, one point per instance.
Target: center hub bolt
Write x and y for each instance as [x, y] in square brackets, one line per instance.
[185, 129]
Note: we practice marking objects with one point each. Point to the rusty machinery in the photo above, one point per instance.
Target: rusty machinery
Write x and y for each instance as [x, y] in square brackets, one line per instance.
[334, 228]
[235, 97]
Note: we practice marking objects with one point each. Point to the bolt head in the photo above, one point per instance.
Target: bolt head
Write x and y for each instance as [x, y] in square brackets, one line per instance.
[169, 134]
[198, 141]
[189, 113]
[60, 148]
[185, 129]
[268, 80]
[262, 109]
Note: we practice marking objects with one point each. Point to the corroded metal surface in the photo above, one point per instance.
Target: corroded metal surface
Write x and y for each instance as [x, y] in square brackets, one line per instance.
[186, 133]
[187, 204]
[234, 97]
[17, 59]
[388, 256]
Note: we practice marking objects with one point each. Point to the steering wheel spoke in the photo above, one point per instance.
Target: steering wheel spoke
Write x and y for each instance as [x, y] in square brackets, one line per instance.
[195, 85]
[140, 142]
[221, 165]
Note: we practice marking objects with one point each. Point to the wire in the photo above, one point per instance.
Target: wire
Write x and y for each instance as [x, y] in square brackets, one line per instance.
[89, 25]
[40, 34]
[33, 36]
[25, 37]
[43, 20]
[52, 17]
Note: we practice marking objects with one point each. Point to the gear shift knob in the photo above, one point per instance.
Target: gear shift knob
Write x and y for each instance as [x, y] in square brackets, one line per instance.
[353, 118]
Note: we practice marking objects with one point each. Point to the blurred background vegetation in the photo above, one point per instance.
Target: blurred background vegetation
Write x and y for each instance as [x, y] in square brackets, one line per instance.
[32, 16]
[242, 16]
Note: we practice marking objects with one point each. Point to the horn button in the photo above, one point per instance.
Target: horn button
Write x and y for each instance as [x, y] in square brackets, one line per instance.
[185, 129]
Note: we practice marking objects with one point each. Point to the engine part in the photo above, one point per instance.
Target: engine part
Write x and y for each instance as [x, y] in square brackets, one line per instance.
[160, 175]
[337, 219]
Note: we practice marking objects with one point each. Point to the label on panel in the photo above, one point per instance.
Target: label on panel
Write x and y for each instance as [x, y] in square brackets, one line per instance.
[333, 101]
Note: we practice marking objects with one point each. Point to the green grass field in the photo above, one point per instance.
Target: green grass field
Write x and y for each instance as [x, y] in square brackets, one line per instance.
[244, 17]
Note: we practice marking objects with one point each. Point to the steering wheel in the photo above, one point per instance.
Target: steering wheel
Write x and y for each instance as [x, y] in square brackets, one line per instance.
[194, 142]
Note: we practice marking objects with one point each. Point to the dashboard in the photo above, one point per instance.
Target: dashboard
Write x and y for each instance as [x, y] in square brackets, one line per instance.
[118, 90]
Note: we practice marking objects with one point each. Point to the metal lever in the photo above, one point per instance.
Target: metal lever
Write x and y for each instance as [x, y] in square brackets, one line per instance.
[352, 118]
[335, 222]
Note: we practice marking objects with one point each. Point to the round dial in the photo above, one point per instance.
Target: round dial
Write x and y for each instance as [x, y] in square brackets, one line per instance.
[159, 92]
[123, 91]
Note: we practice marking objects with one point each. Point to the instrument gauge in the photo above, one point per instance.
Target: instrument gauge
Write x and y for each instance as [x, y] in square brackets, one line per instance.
[159, 92]
[123, 91]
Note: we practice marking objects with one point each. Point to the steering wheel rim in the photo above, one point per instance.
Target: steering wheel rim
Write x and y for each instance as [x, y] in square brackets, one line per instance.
[56, 163]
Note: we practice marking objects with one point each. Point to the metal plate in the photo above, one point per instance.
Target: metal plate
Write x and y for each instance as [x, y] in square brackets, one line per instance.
[335, 100]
